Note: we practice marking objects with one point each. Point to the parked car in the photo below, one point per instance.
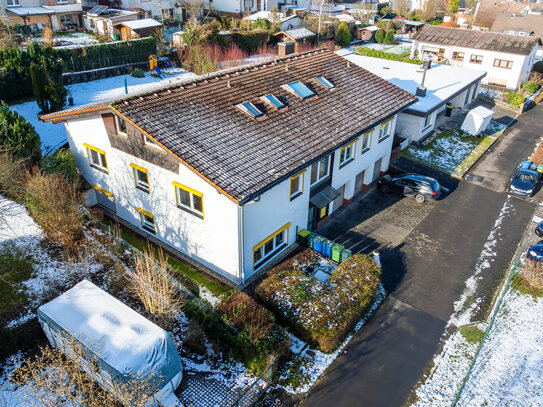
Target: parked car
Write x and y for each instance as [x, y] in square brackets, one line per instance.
[539, 229]
[535, 252]
[524, 182]
[421, 187]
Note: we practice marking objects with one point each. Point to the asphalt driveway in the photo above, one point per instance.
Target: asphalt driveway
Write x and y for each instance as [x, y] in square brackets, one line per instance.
[424, 275]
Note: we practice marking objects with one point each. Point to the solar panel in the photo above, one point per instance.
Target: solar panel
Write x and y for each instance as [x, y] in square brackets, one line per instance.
[97, 10]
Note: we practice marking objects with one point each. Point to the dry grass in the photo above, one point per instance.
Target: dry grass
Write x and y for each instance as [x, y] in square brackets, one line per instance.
[48, 36]
[533, 274]
[54, 204]
[52, 379]
[149, 280]
[12, 177]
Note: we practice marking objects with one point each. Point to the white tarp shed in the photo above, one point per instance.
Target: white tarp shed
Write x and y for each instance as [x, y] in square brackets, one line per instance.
[477, 120]
[126, 343]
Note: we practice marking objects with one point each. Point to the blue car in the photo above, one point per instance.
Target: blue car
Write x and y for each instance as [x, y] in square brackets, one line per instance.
[524, 182]
[535, 252]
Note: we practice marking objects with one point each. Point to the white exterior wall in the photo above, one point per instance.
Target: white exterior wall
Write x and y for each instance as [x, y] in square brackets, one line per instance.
[511, 78]
[212, 241]
[274, 209]
[411, 127]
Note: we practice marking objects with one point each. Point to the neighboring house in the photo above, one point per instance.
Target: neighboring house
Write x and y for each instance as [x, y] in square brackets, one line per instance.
[102, 20]
[37, 14]
[130, 30]
[445, 85]
[408, 26]
[225, 169]
[287, 23]
[302, 37]
[507, 59]
[241, 8]
[160, 9]
[526, 25]
[367, 33]
[487, 11]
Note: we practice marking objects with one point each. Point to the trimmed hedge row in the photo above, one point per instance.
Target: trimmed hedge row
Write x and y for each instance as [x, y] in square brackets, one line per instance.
[368, 52]
[323, 314]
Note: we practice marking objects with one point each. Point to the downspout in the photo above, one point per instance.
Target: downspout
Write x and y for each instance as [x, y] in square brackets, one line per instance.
[241, 245]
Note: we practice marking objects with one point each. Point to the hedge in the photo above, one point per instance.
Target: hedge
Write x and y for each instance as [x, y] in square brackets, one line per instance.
[18, 137]
[368, 52]
[320, 313]
[15, 81]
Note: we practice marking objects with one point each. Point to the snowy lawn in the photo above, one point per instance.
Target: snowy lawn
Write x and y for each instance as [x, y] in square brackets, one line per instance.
[450, 149]
[69, 38]
[508, 370]
[53, 136]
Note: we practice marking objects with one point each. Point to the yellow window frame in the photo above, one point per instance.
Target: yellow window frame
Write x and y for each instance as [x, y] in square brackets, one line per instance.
[383, 125]
[149, 214]
[270, 237]
[137, 167]
[99, 151]
[345, 147]
[96, 187]
[370, 135]
[188, 189]
[302, 174]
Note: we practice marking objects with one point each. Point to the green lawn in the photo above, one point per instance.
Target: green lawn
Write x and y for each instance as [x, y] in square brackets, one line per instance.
[140, 243]
[451, 151]
[472, 333]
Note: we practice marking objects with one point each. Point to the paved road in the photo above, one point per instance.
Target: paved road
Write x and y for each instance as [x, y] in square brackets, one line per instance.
[425, 275]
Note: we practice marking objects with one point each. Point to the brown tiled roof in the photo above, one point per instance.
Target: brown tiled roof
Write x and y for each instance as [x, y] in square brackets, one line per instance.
[519, 22]
[488, 10]
[199, 122]
[513, 44]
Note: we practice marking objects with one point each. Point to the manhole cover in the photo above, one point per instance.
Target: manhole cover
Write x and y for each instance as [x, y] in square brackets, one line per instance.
[476, 178]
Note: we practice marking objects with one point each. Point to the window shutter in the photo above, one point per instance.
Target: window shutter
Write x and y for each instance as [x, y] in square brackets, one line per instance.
[109, 123]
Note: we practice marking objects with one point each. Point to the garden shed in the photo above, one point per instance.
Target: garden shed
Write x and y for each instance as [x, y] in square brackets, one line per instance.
[477, 120]
[124, 342]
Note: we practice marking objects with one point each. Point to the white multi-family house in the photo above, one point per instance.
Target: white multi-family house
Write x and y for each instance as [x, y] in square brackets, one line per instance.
[507, 59]
[37, 14]
[224, 170]
[443, 85]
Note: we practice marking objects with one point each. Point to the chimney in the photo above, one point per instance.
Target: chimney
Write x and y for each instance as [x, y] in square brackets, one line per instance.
[285, 48]
[421, 90]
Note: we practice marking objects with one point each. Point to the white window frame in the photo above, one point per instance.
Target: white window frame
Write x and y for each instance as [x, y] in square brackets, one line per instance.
[105, 196]
[274, 247]
[191, 208]
[97, 158]
[151, 143]
[295, 193]
[343, 158]
[384, 130]
[15, 3]
[428, 120]
[139, 183]
[318, 165]
[366, 141]
[118, 126]
[145, 223]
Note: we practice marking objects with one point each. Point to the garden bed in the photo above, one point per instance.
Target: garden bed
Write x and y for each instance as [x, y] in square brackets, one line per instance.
[322, 313]
[454, 152]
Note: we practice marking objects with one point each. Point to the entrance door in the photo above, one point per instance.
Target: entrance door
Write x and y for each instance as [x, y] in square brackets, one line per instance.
[377, 169]
[359, 182]
[315, 215]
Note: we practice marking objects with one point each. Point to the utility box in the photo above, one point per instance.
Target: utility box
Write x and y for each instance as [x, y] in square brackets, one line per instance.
[477, 120]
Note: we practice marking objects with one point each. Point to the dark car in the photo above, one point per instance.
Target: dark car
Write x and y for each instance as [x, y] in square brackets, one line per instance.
[535, 252]
[539, 229]
[421, 187]
[524, 182]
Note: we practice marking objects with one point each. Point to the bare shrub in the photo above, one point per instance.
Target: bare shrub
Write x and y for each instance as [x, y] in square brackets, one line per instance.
[54, 205]
[533, 274]
[51, 379]
[150, 281]
[12, 177]
[48, 36]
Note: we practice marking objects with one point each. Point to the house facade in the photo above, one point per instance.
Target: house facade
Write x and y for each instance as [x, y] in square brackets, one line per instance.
[224, 170]
[37, 14]
[103, 21]
[444, 85]
[507, 59]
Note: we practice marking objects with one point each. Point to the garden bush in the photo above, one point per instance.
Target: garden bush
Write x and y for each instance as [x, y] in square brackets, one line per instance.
[380, 35]
[320, 313]
[259, 339]
[62, 162]
[343, 35]
[389, 36]
[515, 99]
[538, 67]
[260, 24]
[17, 136]
[54, 204]
[530, 86]
[368, 52]
[138, 73]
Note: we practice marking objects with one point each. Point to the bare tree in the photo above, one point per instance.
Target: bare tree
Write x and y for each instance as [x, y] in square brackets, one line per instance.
[533, 274]
[363, 11]
[401, 7]
[429, 9]
[195, 8]
[68, 376]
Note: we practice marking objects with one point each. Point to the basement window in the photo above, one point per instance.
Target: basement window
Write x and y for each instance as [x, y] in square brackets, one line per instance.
[299, 89]
[325, 82]
[249, 109]
[273, 101]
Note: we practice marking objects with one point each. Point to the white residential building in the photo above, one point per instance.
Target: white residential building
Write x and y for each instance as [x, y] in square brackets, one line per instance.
[223, 171]
[287, 23]
[507, 59]
[444, 85]
[37, 14]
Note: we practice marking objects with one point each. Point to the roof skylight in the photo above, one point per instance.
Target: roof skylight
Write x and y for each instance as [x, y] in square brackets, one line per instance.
[325, 82]
[249, 109]
[299, 89]
[273, 101]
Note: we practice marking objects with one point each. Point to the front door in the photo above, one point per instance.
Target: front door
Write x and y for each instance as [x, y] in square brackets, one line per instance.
[377, 169]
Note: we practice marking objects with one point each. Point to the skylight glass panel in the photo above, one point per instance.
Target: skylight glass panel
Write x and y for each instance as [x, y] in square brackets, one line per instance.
[325, 82]
[299, 89]
[250, 109]
[273, 101]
